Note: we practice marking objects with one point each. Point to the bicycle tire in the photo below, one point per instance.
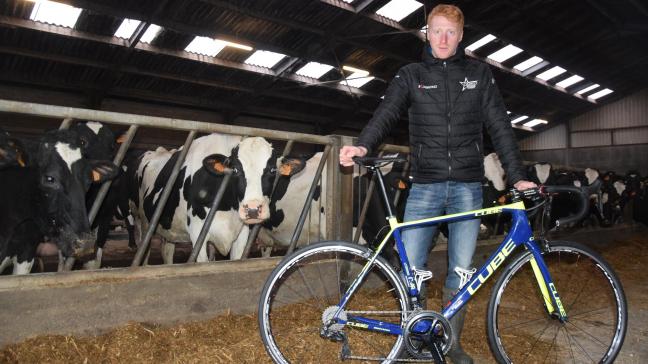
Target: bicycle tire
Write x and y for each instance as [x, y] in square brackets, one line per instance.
[521, 331]
[310, 281]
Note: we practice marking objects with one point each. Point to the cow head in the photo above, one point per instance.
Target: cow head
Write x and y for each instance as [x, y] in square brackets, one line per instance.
[64, 178]
[96, 140]
[11, 151]
[254, 167]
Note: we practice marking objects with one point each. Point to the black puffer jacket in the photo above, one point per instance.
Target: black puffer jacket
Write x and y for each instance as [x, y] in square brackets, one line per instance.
[449, 102]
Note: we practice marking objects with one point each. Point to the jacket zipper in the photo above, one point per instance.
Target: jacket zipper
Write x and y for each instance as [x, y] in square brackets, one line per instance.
[448, 115]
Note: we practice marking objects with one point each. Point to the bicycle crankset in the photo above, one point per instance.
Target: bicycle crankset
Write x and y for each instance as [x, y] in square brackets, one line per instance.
[428, 335]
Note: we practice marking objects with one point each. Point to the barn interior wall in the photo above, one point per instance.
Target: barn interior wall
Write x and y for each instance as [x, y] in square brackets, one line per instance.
[613, 137]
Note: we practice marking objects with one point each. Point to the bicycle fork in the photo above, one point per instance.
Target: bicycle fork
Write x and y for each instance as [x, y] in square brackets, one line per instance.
[552, 301]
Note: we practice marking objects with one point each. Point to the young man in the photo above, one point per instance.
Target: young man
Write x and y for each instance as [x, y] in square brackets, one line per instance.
[449, 100]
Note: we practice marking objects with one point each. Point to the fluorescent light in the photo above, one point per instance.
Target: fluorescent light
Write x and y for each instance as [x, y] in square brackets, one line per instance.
[600, 94]
[127, 28]
[355, 70]
[528, 63]
[348, 1]
[265, 59]
[517, 120]
[569, 81]
[357, 79]
[234, 45]
[535, 122]
[587, 89]
[205, 46]
[150, 33]
[55, 13]
[551, 73]
[398, 9]
[505, 53]
[314, 70]
[484, 40]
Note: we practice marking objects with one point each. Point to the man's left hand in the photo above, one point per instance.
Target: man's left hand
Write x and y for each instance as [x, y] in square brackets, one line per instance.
[522, 185]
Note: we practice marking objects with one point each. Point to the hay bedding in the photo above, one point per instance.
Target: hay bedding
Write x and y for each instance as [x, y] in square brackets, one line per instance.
[235, 339]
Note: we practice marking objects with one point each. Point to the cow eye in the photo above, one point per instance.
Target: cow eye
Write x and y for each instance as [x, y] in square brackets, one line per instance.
[84, 142]
[273, 170]
[50, 179]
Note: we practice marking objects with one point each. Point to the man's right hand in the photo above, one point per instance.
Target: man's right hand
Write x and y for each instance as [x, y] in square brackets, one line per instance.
[347, 152]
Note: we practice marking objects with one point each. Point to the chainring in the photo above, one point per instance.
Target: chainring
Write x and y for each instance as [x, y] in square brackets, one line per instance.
[437, 328]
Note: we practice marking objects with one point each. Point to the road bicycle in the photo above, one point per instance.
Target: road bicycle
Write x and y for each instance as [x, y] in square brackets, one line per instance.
[555, 301]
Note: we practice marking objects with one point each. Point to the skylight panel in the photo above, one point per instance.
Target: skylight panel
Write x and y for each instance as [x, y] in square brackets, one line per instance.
[535, 122]
[357, 78]
[265, 59]
[551, 73]
[398, 9]
[127, 28]
[150, 33]
[55, 13]
[205, 46]
[314, 70]
[528, 63]
[569, 81]
[517, 120]
[505, 53]
[587, 89]
[483, 41]
[600, 94]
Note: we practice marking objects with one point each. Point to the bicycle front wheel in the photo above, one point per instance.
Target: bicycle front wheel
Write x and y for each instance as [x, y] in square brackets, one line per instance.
[304, 291]
[520, 330]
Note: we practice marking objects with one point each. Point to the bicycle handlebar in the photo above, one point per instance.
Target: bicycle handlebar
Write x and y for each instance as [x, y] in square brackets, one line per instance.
[583, 195]
[375, 161]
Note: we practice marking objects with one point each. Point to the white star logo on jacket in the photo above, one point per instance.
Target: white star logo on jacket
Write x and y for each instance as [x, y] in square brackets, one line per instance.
[468, 84]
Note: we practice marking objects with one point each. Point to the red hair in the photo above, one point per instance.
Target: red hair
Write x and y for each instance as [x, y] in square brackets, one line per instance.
[450, 12]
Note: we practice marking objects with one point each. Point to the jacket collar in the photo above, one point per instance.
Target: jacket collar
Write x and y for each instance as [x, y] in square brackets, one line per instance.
[429, 59]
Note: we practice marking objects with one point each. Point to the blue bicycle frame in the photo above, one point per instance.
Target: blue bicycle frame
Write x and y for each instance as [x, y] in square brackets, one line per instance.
[520, 234]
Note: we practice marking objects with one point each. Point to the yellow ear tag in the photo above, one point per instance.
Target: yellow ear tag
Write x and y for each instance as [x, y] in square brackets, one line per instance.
[401, 185]
[96, 176]
[501, 200]
[20, 160]
[285, 169]
[219, 167]
[121, 139]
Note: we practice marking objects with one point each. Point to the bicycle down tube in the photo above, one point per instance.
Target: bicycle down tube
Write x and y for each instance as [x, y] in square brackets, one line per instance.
[520, 234]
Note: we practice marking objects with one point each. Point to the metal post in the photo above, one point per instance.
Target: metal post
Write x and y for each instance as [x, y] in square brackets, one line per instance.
[144, 245]
[309, 200]
[254, 232]
[210, 216]
[66, 124]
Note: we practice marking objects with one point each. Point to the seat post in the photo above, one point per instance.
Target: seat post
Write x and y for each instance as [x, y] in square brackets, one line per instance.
[383, 191]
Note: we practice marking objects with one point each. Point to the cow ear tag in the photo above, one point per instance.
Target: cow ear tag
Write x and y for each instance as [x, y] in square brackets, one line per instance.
[96, 176]
[215, 163]
[121, 139]
[291, 166]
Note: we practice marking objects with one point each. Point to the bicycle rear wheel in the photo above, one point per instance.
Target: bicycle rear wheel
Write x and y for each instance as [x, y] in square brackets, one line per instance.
[521, 331]
[305, 289]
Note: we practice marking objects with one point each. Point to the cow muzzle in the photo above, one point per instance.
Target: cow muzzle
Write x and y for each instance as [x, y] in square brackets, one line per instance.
[253, 213]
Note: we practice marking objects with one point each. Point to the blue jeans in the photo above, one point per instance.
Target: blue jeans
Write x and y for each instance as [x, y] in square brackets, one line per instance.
[436, 199]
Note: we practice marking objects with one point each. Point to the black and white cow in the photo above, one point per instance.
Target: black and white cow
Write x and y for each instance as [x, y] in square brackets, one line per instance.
[46, 200]
[289, 202]
[245, 202]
